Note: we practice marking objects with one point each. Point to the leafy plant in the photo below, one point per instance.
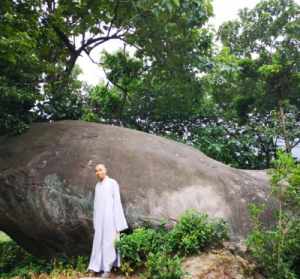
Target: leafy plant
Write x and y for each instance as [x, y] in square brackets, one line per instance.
[159, 251]
[195, 232]
[136, 246]
[277, 250]
[15, 261]
[162, 266]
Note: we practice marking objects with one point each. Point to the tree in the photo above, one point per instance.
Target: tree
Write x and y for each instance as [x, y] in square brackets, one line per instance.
[144, 92]
[265, 40]
[68, 105]
[168, 35]
[125, 73]
[20, 67]
[163, 31]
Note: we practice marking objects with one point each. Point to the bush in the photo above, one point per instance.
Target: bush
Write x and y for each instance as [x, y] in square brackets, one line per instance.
[136, 246]
[11, 255]
[195, 232]
[15, 261]
[158, 251]
[277, 251]
[162, 266]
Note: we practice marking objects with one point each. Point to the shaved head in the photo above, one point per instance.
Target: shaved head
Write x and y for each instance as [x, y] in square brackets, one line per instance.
[102, 166]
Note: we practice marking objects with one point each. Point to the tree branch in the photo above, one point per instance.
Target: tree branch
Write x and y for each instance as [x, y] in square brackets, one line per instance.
[92, 60]
[97, 41]
[64, 38]
[296, 143]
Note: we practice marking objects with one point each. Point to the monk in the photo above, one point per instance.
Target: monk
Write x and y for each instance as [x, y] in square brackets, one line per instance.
[109, 220]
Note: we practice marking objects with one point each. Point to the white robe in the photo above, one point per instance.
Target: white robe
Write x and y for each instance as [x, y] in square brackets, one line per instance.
[108, 219]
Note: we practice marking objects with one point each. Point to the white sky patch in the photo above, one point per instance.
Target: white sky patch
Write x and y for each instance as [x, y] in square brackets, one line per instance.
[225, 10]
[91, 72]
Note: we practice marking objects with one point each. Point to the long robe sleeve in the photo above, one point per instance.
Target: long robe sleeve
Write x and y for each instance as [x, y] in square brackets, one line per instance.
[95, 217]
[120, 220]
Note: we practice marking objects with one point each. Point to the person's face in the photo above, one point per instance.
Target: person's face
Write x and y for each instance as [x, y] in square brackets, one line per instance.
[100, 172]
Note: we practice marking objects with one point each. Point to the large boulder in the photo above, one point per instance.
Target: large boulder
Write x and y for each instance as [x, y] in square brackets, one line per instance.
[47, 183]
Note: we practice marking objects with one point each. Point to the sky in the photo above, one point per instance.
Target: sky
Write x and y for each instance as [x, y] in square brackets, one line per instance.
[224, 10]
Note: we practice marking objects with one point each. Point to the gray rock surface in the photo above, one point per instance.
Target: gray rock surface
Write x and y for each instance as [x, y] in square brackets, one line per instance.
[47, 183]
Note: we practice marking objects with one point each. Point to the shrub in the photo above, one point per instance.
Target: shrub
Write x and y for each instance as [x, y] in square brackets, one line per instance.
[277, 251]
[136, 246]
[11, 255]
[15, 261]
[158, 250]
[162, 266]
[194, 232]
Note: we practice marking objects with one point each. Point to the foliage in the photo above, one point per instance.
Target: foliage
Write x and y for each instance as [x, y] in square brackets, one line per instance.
[224, 127]
[250, 146]
[145, 249]
[42, 40]
[263, 47]
[161, 249]
[102, 104]
[133, 100]
[57, 105]
[139, 91]
[277, 250]
[136, 246]
[20, 68]
[15, 261]
[194, 232]
[162, 266]
[15, 105]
